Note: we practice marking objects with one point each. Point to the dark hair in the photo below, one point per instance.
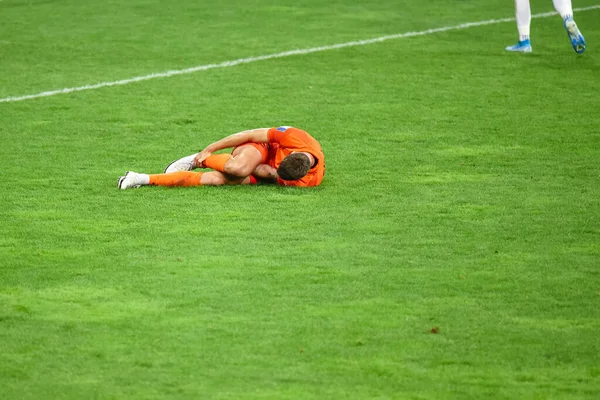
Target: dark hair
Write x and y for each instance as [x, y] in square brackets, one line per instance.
[293, 167]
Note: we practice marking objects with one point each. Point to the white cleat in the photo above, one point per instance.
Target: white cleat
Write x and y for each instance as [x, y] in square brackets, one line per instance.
[575, 36]
[183, 164]
[130, 180]
[524, 46]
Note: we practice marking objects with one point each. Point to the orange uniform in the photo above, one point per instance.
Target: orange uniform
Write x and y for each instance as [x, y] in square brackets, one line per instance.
[285, 140]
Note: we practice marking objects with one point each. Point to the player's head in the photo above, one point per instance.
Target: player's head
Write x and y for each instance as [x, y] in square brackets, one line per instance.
[294, 167]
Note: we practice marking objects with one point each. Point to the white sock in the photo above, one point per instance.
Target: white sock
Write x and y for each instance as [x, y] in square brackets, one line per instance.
[143, 179]
[564, 8]
[523, 17]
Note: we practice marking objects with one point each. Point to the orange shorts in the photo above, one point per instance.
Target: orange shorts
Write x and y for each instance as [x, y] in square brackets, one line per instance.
[262, 147]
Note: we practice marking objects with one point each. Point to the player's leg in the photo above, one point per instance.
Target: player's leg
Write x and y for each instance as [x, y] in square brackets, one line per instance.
[523, 18]
[565, 9]
[188, 163]
[241, 162]
[266, 173]
[216, 178]
[181, 179]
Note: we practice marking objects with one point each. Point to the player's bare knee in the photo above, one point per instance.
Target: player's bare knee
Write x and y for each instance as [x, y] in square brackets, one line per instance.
[213, 179]
[238, 169]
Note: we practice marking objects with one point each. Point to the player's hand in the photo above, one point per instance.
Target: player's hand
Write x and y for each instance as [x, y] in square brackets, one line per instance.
[203, 155]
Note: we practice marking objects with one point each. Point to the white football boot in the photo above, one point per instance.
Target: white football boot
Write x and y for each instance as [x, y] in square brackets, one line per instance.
[183, 164]
[575, 36]
[132, 180]
[524, 46]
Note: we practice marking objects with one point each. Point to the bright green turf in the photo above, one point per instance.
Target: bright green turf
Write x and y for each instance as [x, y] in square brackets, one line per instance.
[462, 192]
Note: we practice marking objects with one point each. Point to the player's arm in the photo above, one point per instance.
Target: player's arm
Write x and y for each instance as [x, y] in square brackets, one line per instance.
[259, 135]
[254, 135]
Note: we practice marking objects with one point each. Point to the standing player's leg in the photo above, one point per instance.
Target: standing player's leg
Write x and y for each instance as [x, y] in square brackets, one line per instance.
[565, 9]
[181, 178]
[523, 18]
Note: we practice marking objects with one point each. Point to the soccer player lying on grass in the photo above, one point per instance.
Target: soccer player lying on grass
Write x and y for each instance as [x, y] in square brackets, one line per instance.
[287, 156]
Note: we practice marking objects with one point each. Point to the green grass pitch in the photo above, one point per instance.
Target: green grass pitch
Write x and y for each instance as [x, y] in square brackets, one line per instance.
[462, 195]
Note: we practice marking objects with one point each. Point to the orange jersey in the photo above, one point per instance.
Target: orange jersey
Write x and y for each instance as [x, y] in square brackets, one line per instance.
[285, 140]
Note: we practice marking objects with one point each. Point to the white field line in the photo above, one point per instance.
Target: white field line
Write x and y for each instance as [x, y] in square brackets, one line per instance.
[277, 55]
